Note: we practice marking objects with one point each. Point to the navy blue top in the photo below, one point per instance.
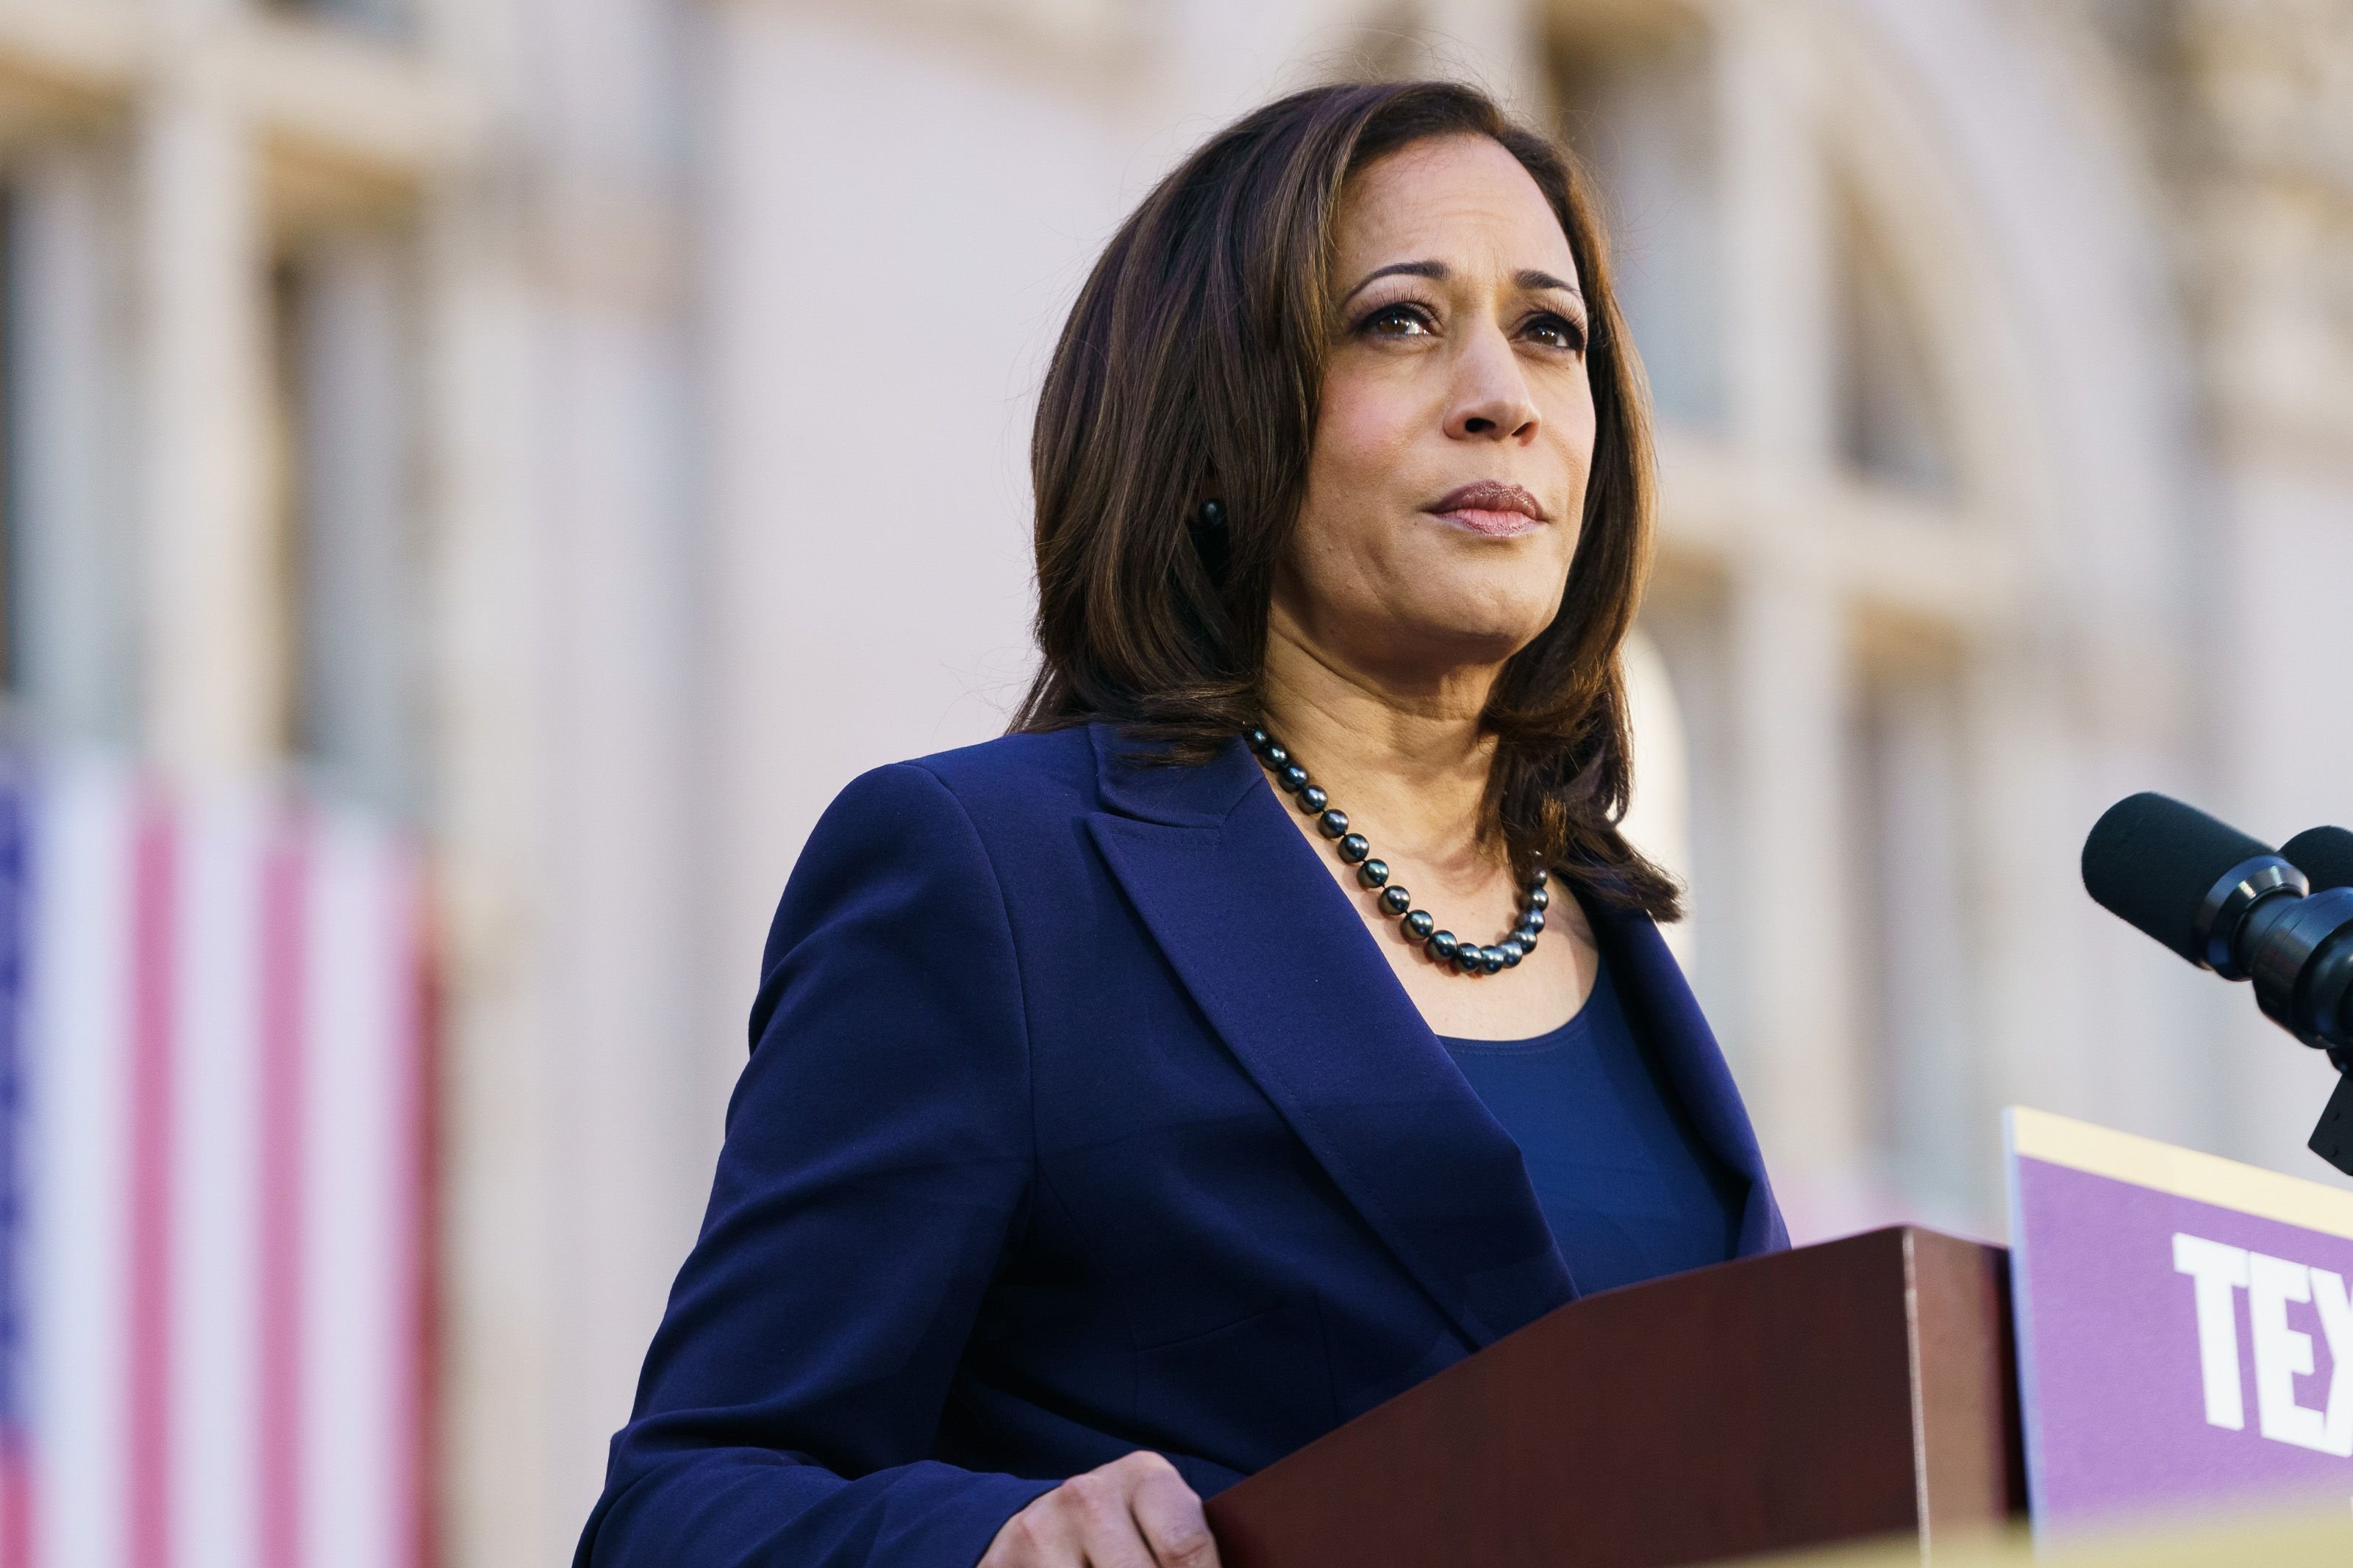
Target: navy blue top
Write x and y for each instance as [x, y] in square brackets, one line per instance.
[1082, 1116]
[1624, 1180]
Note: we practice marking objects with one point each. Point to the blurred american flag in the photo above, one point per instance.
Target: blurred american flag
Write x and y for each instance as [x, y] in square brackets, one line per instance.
[213, 1176]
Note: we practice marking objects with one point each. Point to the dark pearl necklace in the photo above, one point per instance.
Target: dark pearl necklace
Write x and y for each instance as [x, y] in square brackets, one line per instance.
[1442, 946]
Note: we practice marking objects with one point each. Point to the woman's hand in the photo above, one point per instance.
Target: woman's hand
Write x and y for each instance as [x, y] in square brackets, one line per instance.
[1136, 1512]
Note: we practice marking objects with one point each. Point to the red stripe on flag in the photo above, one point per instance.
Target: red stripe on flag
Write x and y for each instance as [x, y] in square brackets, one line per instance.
[285, 961]
[148, 1462]
[423, 1220]
[15, 1498]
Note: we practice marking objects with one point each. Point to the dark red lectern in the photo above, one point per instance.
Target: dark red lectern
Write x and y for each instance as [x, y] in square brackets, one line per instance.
[1861, 1388]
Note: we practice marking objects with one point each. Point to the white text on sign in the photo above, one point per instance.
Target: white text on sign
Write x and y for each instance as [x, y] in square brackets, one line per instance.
[2217, 1273]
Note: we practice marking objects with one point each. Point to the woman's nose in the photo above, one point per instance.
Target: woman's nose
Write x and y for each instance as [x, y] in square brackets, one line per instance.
[1492, 401]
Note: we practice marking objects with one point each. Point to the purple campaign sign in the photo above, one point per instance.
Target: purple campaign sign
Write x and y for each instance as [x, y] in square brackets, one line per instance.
[2180, 1324]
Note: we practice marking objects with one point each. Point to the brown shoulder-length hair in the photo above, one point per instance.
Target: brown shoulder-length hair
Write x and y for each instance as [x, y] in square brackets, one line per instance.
[1191, 369]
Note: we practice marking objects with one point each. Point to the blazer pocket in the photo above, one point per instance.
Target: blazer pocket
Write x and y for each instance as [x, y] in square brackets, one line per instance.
[1259, 1387]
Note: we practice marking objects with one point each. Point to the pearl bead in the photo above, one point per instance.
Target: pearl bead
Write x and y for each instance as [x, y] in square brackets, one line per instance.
[1539, 876]
[1354, 848]
[1466, 958]
[1397, 900]
[1313, 799]
[1534, 919]
[1373, 873]
[1538, 899]
[1491, 959]
[1526, 938]
[1441, 945]
[1292, 778]
[1333, 823]
[1277, 755]
[1259, 740]
[1512, 950]
[1420, 924]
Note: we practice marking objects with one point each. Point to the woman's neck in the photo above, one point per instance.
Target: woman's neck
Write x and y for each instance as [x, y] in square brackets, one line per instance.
[1408, 762]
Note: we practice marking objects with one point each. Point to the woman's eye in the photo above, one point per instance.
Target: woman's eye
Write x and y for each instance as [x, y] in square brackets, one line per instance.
[1557, 331]
[1398, 321]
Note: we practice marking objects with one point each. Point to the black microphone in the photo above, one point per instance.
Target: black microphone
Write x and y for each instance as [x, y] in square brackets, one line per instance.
[2179, 876]
[2234, 905]
[2325, 855]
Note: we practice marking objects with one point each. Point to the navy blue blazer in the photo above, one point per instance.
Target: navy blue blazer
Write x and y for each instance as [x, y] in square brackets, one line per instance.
[1083, 1115]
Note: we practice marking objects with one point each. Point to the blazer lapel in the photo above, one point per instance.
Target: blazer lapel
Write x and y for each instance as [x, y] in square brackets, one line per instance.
[1655, 993]
[1286, 974]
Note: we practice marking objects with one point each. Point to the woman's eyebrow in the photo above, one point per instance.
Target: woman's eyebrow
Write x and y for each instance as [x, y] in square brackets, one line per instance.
[1436, 271]
[1439, 272]
[1532, 279]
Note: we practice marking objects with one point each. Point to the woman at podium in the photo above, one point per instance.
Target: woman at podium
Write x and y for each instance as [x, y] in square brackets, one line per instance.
[1277, 1016]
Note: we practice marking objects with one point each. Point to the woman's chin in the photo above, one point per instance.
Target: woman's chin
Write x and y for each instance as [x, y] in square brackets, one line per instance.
[1437, 639]
[1476, 613]
[1482, 575]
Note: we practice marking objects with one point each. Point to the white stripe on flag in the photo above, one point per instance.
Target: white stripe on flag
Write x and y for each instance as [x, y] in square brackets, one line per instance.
[79, 1067]
[216, 1183]
[359, 1369]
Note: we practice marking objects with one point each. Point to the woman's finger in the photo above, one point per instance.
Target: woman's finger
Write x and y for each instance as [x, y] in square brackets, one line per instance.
[1043, 1535]
[1168, 1515]
[1101, 1505]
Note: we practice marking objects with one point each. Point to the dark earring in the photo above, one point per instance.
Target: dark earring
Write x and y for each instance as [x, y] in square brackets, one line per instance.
[1211, 540]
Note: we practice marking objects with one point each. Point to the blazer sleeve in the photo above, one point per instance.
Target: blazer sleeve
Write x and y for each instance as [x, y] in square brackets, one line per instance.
[876, 1167]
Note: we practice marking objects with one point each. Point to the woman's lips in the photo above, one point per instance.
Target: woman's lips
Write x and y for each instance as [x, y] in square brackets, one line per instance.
[1490, 508]
[1494, 524]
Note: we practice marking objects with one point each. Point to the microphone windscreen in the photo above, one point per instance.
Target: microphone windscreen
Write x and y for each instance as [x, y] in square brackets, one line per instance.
[2151, 861]
[2325, 855]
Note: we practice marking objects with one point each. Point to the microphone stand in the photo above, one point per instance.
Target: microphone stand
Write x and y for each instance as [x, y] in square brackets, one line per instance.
[2332, 1139]
[2261, 923]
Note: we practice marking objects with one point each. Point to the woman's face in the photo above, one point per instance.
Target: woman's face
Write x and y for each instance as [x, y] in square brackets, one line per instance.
[1456, 431]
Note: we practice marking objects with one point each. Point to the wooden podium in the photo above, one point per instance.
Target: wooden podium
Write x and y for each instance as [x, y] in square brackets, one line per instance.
[1861, 1388]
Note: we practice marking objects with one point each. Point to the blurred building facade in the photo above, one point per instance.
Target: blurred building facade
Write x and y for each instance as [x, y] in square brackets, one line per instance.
[594, 430]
